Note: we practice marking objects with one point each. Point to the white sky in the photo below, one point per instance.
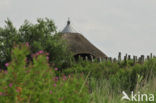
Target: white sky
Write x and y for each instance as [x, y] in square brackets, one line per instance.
[128, 26]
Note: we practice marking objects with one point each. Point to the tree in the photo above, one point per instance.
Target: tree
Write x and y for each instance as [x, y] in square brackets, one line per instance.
[40, 36]
[8, 35]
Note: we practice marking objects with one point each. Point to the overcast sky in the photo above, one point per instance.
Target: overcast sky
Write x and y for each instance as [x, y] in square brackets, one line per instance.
[128, 26]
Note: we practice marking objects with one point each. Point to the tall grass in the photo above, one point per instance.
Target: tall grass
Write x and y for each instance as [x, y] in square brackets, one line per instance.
[102, 93]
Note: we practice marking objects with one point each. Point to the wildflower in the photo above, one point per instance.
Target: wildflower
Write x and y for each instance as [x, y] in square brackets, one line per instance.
[10, 85]
[6, 64]
[54, 85]
[40, 52]
[47, 54]
[56, 79]
[56, 69]
[64, 78]
[18, 89]
[1, 93]
[28, 71]
[37, 54]
[5, 72]
[27, 44]
[50, 92]
[69, 76]
[47, 58]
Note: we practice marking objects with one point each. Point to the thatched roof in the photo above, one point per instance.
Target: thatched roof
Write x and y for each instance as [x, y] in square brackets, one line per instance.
[78, 44]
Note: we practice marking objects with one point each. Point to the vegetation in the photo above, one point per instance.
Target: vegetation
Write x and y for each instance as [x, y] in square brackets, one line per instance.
[37, 82]
[41, 36]
[40, 69]
[108, 80]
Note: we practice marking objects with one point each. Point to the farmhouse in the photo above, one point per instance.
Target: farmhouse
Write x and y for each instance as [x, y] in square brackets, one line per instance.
[79, 45]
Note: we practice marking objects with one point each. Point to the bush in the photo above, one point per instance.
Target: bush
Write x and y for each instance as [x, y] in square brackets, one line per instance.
[36, 82]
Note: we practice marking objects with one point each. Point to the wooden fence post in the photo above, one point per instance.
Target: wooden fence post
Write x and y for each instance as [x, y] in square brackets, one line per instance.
[114, 60]
[119, 57]
[151, 56]
[148, 57]
[142, 59]
[125, 58]
[134, 59]
[139, 60]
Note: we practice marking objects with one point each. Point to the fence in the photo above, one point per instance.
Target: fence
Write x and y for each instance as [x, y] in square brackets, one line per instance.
[127, 57]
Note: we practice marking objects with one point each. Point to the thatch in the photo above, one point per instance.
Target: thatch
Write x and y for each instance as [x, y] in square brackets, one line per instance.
[78, 44]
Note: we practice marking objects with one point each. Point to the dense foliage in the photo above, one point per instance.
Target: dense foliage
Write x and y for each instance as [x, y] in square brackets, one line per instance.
[37, 82]
[41, 36]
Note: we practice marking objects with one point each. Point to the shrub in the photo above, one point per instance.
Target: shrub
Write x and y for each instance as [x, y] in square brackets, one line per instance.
[36, 82]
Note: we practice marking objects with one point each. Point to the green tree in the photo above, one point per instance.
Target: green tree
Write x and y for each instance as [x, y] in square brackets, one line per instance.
[40, 36]
[8, 36]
